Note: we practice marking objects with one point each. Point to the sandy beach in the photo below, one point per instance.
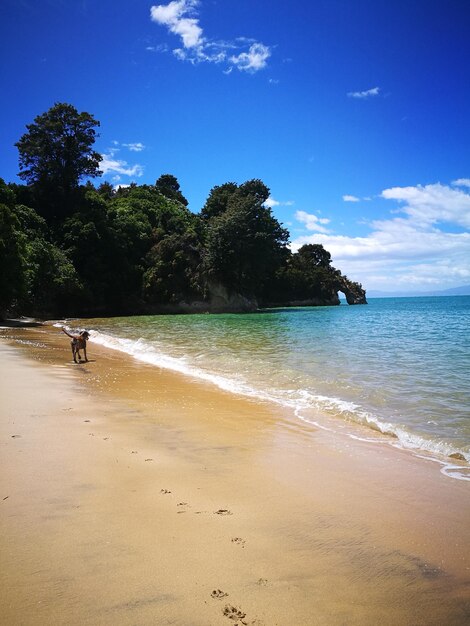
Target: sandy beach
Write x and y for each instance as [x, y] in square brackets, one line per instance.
[133, 495]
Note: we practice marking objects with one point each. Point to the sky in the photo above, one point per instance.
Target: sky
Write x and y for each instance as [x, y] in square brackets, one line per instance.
[355, 113]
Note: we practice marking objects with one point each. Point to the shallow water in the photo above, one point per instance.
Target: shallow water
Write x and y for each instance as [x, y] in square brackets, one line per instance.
[398, 365]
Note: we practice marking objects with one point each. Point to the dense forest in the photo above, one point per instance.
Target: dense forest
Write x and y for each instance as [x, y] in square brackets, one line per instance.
[70, 248]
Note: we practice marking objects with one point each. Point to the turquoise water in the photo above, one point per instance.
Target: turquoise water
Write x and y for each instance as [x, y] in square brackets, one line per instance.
[398, 365]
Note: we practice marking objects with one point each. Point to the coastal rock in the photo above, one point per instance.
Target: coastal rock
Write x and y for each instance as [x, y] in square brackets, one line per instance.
[333, 301]
[457, 455]
[221, 300]
[354, 292]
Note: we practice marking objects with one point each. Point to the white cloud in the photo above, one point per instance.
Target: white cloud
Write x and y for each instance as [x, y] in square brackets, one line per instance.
[461, 182]
[253, 60]
[170, 13]
[364, 94]
[175, 17]
[134, 147]
[181, 19]
[348, 198]
[110, 165]
[190, 32]
[160, 48]
[312, 222]
[432, 204]
[271, 202]
[410, 251]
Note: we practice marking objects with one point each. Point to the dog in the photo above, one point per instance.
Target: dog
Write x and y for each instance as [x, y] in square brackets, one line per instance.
[78, 343]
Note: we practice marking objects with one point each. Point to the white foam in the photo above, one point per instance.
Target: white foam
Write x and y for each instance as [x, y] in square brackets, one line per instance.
[149, 354]
[459, 472]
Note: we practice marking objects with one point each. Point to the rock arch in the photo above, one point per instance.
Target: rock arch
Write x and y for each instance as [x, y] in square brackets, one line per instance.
[354, 292]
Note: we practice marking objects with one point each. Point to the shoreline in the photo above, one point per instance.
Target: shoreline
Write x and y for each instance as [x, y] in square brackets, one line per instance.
[173, 492]
[454, 461]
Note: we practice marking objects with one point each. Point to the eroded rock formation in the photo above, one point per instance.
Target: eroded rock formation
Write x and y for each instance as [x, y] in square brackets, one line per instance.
[354, 292]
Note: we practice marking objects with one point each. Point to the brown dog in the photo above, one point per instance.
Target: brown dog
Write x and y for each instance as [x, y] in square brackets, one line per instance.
[78, 343]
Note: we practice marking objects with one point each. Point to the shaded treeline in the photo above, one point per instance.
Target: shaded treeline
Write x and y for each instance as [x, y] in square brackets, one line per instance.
[73, 249]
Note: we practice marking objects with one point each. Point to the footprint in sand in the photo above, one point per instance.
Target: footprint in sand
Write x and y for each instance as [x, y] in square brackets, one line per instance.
[134, 452]
[239, 541]
[262, 582]
[165, 491]
[235, 614]
[223, 512]
[148, 459]
[218, 593]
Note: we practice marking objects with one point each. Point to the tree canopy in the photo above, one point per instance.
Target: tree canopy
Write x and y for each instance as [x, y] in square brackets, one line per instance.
[68, 248]
[57, 151]
[169, 187]
[245, 243]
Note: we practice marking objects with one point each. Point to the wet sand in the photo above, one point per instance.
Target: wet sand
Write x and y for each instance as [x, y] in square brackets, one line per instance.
[133, 495]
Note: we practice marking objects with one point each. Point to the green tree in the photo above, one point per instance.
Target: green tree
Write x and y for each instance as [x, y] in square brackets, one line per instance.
[218, 199]
[307, 275]
[56, 153]
[169, 187]
[245, 244]
[162, 238]
[52, 284]
[106, 190]
[12, 260]
[173, 275]
[7, 194]
[312, 255]
[99, 253]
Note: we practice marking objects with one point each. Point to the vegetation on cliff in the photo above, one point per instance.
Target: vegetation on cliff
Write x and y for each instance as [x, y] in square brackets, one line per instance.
[70, 248]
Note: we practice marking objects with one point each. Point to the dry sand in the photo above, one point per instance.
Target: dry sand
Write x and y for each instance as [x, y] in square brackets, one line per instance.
[131, 495]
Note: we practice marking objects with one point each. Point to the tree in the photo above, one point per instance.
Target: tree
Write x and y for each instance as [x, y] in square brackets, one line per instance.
[246, 244]
[169, 187]
[312, 255]
[220, 196]
[218, 199]
[106, 190]
[173, 275]
[51, 281]
[56, 153]
[307, 275]
[12, 260]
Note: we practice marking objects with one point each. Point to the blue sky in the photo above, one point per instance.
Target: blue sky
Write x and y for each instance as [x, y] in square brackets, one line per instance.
[355, 113]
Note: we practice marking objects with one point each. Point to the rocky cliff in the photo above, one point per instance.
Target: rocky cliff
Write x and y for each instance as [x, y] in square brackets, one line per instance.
[354, 292]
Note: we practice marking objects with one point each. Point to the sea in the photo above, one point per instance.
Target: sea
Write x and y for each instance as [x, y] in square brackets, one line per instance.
[396, 368]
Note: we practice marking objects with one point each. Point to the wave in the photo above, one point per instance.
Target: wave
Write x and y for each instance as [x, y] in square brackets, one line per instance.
[300, 401]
